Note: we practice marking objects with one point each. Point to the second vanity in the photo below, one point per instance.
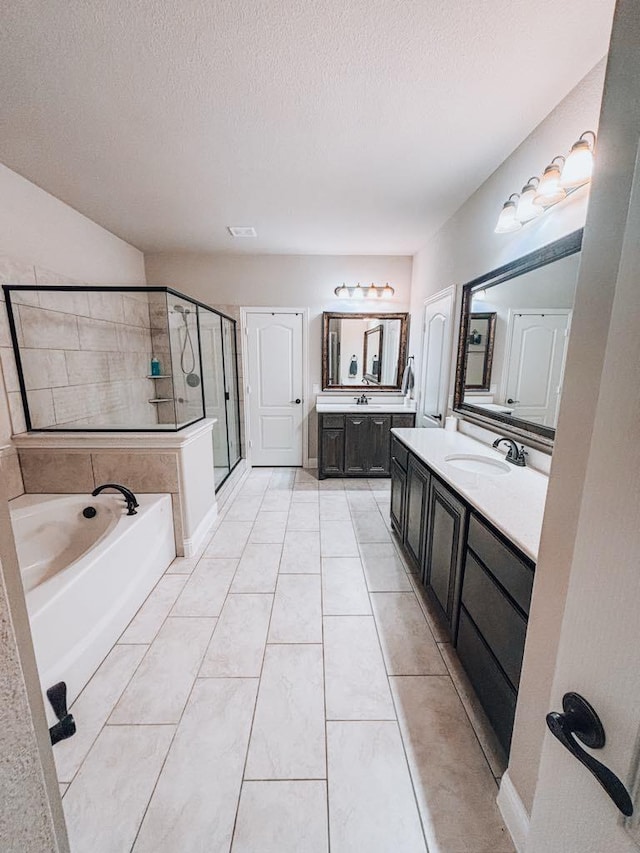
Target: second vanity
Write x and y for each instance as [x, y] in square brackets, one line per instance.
[470, 525]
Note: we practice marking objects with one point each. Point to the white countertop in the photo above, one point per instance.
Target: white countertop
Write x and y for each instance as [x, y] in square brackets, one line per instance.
[513, 502]
[373, 408]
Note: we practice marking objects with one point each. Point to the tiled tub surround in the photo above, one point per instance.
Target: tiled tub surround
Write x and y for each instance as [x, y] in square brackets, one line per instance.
[283, 691]
[86, 577]
[85, 357]
[177, 463]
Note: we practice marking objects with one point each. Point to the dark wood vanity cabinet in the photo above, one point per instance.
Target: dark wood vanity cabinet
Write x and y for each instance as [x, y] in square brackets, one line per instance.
[480, 583]
[417, 497]
[444, 551]
[357, 445]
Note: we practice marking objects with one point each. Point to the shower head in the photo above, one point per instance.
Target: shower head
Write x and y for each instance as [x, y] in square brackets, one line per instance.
[181, 309]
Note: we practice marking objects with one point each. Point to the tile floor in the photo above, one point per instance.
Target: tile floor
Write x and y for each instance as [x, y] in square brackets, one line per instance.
[287, 691]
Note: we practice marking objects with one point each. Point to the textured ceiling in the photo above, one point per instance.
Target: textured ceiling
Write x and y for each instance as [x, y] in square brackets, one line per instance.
[332, 126]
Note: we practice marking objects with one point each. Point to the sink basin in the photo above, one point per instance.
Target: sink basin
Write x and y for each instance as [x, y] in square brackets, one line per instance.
[477, 464]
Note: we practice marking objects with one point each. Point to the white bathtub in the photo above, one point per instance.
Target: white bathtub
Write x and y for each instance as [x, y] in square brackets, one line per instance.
[85, 578]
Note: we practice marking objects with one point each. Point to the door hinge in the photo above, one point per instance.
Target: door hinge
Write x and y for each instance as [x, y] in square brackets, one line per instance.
[250, 443]
[248, 389]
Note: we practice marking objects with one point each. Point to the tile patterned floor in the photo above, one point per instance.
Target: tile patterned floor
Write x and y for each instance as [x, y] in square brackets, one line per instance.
[288, 690]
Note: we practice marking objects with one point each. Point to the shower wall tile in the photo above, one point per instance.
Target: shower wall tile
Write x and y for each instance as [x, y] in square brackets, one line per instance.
[152, 472]
[44, 368]
[18, 423]
[9, 371]
[107, 306]
[136, 311]
[98, 335]
[84, 368]
[72, 403]
[63, 473]
[68, 302]
[13, 271]
[41, 408]
[43, 329]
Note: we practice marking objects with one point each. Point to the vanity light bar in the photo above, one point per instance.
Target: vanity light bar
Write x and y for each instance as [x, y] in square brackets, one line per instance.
[558, 181]
[371, 291]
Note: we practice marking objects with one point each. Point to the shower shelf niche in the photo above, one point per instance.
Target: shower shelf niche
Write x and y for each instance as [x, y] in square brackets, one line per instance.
[159, 376]
[161, 400]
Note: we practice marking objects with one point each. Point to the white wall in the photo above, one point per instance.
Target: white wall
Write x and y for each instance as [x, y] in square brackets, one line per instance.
[306, 281]
[464, 248]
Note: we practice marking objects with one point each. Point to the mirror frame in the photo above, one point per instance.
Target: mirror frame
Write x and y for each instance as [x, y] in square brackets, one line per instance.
[370, 315]
[516, 427]
[488, 353]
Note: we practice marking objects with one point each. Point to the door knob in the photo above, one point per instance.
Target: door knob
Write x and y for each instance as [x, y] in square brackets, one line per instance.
[297, 400]
[579, 720]
[510, 401]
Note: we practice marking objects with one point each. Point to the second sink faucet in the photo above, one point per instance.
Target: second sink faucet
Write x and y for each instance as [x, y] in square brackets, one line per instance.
[516, 455]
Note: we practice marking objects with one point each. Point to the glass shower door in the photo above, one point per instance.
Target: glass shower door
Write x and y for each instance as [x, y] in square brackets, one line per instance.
[214, 389]
[231, 389]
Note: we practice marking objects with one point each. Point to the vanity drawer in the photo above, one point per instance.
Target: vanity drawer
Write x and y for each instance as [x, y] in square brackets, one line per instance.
[505, 565]
[501, 625]
[399, 452]
[333, 421]
[497, 696]
[403, 421]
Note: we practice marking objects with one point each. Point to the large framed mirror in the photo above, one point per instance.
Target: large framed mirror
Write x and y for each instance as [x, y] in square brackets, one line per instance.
[363, 351]
[514, 330]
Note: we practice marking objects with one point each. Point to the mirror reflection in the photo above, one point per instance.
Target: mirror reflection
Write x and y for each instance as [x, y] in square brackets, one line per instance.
[363, 350]
[517, 369]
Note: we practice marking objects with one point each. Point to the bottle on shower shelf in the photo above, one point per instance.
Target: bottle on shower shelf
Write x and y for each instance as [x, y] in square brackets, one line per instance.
[155, 367]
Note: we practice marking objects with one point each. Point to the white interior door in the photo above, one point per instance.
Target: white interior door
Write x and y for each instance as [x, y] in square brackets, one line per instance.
[275, 387]
[436, 359]
[536, 344]
[600, 639]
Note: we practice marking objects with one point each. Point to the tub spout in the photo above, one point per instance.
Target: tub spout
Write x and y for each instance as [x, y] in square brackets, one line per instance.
[128, 495]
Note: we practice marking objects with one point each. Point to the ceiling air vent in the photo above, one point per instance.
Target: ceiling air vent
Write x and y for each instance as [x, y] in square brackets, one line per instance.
[242, 231]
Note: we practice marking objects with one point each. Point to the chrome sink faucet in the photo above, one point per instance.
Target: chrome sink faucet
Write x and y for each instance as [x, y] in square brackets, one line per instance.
[363, 400]
[516, 455]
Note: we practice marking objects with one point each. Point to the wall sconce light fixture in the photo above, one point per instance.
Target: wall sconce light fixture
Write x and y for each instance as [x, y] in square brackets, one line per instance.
[558, 181]
[372, 291]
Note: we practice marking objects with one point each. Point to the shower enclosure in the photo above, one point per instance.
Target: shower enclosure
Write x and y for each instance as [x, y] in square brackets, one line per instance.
[125, 359]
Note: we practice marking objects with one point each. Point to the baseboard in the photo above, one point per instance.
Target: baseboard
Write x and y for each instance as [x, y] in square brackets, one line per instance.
[513, 812]
[311, 463]
[192, 545]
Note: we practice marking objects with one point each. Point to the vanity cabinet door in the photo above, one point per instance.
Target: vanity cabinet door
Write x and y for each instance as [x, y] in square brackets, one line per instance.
[356, 444]
[446, 530]
[398, 490]
[416, 509]
[332, 451]
[379, 456]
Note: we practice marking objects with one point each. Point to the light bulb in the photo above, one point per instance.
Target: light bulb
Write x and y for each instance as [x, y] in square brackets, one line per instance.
[579, 165]
[387, 291]
[549, 189]
[527, 209]
[358, 292]
[342, 292]
[372, 291]
[507, 220]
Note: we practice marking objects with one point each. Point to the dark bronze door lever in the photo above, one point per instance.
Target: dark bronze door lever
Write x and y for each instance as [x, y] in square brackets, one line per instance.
[579, 720]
